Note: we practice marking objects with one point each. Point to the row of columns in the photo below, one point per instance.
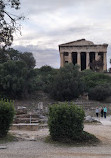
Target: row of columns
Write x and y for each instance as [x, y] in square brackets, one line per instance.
[87, 59]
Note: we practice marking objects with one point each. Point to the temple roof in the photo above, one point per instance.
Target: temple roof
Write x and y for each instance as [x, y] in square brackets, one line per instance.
[80, 42]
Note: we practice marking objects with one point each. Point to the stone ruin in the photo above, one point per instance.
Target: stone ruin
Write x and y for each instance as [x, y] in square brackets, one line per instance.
[35, 117]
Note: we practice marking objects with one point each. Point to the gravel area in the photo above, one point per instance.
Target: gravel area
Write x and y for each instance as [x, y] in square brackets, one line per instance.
[32, 145]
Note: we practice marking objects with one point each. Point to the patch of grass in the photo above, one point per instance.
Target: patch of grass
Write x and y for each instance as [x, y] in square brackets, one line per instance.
[84, 139]
[8, 138]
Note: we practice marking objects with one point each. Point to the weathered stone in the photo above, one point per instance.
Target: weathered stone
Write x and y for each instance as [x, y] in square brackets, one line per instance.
[3, 147]
[21, 110]
[89, 119]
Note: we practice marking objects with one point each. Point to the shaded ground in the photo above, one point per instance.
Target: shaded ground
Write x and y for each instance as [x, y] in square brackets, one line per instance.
[40, 149]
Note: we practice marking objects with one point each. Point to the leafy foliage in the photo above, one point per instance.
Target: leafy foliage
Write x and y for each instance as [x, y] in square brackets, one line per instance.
[12, 78]
[18, 78]
[3, 56]
[8, 23]
[17, 75]
[100, 92]
[96, 84]
[97, 65]
[45, 77]
[28, 58]
[67, 84]
[92, 79]
[6, 116]
[65, 121]
[12, 54]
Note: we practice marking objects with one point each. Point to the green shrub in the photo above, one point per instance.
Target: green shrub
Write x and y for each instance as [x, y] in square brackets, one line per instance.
[65, 121]
[100, 92]
[6, 116]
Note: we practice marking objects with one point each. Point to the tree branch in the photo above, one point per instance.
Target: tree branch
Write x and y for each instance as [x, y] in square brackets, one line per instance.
[9, 16]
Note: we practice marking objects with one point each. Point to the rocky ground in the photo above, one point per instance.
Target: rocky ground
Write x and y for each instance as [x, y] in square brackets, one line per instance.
[32, 144]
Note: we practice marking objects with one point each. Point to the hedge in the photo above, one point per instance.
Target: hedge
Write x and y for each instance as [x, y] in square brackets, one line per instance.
[65, 121]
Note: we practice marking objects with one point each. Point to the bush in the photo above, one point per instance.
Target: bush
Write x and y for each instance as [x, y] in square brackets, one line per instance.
[65, 121]
[6, 116]
[100, 92]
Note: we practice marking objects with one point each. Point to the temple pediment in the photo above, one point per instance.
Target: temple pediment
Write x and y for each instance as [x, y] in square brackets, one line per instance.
[80, 42]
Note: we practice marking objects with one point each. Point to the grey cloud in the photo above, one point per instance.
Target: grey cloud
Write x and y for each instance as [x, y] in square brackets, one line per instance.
[42, 56]
[69, 30]
[43, 6]
[58, 32]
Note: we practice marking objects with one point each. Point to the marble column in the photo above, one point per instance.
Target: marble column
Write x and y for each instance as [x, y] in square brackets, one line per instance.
[96, 56]
[62, 59]
[105, 62]
[70, 57]
[79, 59]
[87, 60]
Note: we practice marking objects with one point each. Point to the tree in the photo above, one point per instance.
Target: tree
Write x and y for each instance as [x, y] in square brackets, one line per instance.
[100, 92]
[8, 23]
[96, 84]
[97, 65]
[16, 80]
[46, 77]
[28, 58]
[92, 79]
[13, 77]
[3, 56]
[15, 55]
[67, 84]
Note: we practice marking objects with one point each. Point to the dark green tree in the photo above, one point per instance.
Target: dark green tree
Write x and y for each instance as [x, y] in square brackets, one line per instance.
[96, 84]
[45, 77]
[28, 58]
[15, 55]
[67, 84]
[3, 56]
[100, 92]
[13, 76]
[92, 79]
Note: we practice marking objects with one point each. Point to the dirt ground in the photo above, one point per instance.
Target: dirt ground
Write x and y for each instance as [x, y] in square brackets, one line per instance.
[32, 145]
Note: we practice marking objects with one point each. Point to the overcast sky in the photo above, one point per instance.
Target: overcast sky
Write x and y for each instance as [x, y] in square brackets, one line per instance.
[49, 23]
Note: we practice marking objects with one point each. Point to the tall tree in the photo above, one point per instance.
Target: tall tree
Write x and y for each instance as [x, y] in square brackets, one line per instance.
[67, 84]
[28, 58]
[8, 23]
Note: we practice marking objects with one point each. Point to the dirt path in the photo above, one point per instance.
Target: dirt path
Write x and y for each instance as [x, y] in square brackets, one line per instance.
[40, 149]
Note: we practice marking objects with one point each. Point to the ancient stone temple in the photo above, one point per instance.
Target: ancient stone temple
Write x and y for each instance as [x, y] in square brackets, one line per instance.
[83, 53]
